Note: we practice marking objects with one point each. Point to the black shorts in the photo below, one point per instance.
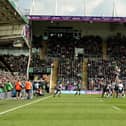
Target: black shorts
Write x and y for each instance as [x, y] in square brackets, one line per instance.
[120, 90]
[27, 91]
[18, 91]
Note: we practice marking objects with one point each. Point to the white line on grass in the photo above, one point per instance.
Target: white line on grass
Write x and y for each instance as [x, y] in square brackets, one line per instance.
[21, 106]
[116, 108]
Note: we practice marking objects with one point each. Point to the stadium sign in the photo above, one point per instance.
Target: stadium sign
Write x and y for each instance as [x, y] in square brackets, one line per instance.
[78, 18]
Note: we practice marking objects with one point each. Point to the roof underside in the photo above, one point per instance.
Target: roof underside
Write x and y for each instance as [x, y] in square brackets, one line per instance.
[9, 14]
[12, 24]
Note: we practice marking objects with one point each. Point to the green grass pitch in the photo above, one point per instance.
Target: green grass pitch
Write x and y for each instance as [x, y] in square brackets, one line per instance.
[67, 110]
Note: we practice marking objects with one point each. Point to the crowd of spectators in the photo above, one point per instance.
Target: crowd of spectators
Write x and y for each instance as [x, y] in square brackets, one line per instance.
[65, 47]
[92, 45]
[70, 72]
[61, 47]
[100, 70]
[70, 64]
[8, 77]
[97, 68]
[15, 63]
[116, 46]
[12, 68]
[37, 62]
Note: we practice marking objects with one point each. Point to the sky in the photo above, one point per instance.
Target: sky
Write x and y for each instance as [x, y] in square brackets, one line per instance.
[73, 7]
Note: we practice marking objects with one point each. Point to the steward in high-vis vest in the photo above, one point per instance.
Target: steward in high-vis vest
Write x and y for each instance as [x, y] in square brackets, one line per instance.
[28, 88]
[18, 88]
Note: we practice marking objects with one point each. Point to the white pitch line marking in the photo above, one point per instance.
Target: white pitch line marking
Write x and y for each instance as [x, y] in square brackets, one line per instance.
[116, 108]
[21, 106]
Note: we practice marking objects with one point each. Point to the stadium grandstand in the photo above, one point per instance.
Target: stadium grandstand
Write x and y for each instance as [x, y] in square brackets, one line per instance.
[83, 49]
[62, 62]
[65, 49]
[14, 43]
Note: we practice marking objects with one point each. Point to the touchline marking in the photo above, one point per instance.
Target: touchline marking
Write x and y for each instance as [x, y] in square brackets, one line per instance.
[21, 106]
[116, 108]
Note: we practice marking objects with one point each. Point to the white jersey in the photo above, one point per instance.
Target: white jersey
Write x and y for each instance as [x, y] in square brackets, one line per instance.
[113, 85]
[120, 86]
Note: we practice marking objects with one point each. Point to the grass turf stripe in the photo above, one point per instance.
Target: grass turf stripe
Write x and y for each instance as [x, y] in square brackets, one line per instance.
[21, 106]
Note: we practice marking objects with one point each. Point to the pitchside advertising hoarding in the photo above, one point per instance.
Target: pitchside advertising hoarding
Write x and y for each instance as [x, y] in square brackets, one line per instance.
[9, 95]
[81, 92]
[78, 18]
